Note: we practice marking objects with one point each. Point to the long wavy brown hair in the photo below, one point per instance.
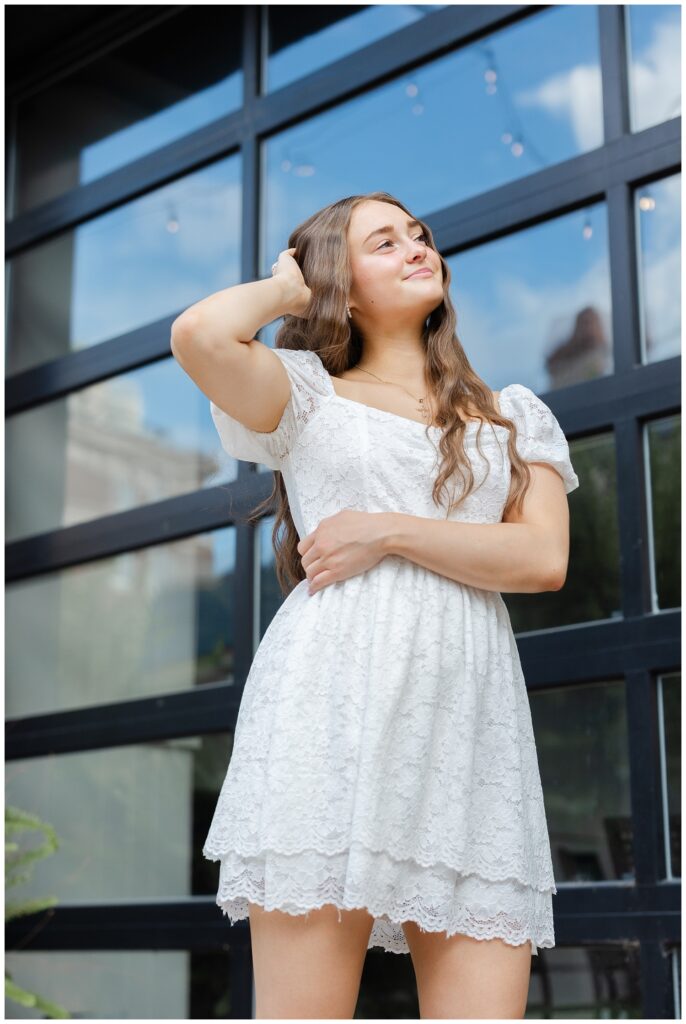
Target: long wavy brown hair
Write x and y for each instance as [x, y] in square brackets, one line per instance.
[321, 252]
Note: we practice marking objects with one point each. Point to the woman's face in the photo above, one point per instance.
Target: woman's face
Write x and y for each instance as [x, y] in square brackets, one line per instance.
[382, 290]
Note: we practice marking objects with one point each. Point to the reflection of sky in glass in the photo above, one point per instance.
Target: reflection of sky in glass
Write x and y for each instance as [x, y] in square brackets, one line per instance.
[157, 254]
[142, 436]
[518, 298]
[223, 552]
[658, 207]
[518, 101]
[346, 35]
[132, 141]
[654, 53]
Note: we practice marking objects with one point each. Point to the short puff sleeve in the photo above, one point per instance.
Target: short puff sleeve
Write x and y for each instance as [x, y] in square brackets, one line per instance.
[539, 435]
[310, 385]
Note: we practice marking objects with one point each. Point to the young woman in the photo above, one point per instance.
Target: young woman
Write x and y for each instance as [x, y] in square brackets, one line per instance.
[384, 787]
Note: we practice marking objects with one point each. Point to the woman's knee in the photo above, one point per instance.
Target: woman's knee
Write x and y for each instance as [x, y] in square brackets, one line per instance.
[308, 965]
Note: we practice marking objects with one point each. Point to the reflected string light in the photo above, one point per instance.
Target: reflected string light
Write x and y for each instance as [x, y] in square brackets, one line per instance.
[515, 139]
[646, 202]
[172, 224]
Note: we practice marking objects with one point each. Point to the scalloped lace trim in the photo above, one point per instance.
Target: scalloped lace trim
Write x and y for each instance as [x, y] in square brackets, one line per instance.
[437, 898]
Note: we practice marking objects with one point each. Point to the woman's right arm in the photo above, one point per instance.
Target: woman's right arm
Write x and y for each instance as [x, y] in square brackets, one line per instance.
[243, 377]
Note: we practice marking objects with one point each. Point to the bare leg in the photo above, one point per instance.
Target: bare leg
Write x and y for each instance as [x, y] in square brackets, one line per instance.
[308, 965]
[462, 977]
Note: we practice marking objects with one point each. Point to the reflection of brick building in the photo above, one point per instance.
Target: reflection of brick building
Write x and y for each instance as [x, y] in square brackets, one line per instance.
[585, 355]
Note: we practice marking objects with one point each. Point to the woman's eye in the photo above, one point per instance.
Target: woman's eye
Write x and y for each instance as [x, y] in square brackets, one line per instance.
[423, 235]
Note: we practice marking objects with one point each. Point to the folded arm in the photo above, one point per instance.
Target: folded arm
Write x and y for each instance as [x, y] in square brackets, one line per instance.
[526, 553]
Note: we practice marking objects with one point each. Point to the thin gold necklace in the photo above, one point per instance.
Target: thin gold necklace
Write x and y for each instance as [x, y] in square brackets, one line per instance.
[422, 407]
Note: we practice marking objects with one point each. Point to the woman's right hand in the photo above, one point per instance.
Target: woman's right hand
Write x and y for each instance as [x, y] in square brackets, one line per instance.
[297, 295]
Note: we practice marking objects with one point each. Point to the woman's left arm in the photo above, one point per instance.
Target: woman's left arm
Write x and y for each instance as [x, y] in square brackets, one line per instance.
[526, 553]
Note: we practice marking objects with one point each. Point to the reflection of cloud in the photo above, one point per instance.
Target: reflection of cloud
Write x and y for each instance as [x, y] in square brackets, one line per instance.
[662, 225]
[508, 338]
[575, 94]
[129, 269]
[656, 70]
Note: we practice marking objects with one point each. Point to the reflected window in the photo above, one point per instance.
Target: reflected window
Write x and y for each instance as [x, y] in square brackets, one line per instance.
[145, 260]
[130, 820]
[138, 984]
[593, 548]
[304, 38]
[588, 810]
[112, 629]
[129, 102]
[658, 215]
[599, 980]
[664, 497]
[513, 99]
[669, 691]
[128, 441]
[534, 307]
[653, 45]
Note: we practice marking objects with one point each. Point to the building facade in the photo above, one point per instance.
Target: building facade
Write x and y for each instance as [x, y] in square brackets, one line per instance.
[550, 174]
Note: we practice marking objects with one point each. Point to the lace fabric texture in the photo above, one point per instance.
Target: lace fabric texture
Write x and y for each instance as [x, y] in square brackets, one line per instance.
[384, 754]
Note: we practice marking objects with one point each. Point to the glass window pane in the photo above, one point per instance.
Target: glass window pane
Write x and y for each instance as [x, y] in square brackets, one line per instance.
[664, 497]
[514, 108]
[593, 548]
[137, 606]
[589, 809]
[600, 980]
[108, 444]
[658, 215]
[150, 258]
[130, 821]
[534, 307]
[671, 721]
[297, 46]
[123, 985]
[653, 43]
[136, 98]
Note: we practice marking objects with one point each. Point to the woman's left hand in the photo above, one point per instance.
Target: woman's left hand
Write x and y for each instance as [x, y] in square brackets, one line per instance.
[342, 546]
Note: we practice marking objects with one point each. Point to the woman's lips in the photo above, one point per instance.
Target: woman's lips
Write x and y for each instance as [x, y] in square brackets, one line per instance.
[424, 270]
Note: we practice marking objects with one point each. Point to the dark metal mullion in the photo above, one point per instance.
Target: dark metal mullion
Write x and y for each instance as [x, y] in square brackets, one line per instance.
[644, 762]
[624, 277]
[244, 593]
[250, 152]
[656, 981]
[584, 913]
[139, 528]
[632, 515]
[203, 710]
[614, 70]
[558, 658]
[241, 980]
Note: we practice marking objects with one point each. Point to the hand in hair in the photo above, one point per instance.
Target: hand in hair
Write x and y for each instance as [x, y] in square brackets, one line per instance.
[343, 545]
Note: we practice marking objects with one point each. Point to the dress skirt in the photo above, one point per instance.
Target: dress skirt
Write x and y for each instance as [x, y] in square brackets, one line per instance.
[384, 758]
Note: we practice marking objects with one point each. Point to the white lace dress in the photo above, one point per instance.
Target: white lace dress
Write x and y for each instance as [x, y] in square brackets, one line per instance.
[384, 755]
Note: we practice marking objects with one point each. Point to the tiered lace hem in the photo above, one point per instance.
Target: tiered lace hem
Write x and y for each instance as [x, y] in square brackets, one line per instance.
[438, 898]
